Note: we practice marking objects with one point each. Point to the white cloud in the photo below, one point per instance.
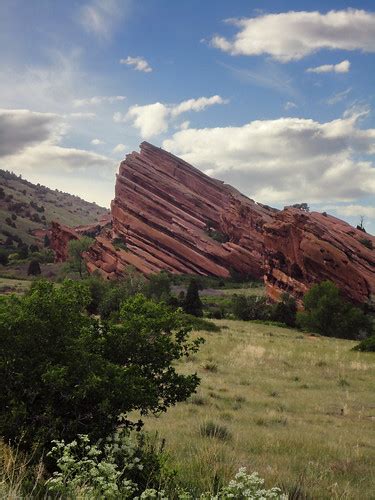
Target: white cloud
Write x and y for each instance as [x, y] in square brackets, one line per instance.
[342, 67]
[100, 17]
[353, 210]
[154, 119]
[184, 125]
[293, 35]
[81, 116]
[139, 63]
[290, 105]
[97, 142]
[120, 148]
[339, 96]
[96, 100]
[285, 160]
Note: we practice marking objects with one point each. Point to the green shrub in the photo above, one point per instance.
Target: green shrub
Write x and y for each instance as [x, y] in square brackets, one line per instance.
[327, 313]
[213, 430]
[285, 311]
[64, 373]
[159, 287]
[366, 345]
[251, 308]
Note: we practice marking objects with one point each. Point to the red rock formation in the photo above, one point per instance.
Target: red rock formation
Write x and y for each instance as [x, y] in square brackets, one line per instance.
[167, 214]
[305, 248]
[61, 235]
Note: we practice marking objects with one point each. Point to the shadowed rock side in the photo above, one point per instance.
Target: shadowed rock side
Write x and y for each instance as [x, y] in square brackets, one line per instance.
[168, 215]
[305, 248]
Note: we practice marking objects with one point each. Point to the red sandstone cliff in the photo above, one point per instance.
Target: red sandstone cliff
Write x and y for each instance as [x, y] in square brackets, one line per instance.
[168, 215]
[305, 248]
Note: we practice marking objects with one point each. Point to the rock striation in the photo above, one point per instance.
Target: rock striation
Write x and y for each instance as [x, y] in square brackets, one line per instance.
[302, 248]
[168, 215]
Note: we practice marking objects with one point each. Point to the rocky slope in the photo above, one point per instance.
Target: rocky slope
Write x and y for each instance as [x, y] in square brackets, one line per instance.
[27, 210]
[168, 215]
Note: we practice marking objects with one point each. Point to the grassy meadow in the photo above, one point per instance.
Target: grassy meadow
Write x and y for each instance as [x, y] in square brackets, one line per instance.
[296, 408]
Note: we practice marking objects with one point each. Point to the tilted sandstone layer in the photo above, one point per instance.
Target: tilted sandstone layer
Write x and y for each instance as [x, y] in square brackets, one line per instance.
[168, 215]
[62, 234]
[305, 248]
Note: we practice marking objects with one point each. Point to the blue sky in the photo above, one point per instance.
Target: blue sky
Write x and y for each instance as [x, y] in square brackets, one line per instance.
[274, 97]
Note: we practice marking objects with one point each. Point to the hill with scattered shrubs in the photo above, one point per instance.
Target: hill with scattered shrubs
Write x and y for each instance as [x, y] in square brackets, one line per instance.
[27, 209]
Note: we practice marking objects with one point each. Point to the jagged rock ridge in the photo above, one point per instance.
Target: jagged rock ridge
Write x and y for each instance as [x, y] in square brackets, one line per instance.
[168, 215]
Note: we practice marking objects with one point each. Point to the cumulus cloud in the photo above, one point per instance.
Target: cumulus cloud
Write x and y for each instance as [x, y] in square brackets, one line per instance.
[154, 119]
[342, 67]
[293, 35]
[285, 160]
[100, 17]
[21, 128]
[120, 148]
[97, 142]
[30, 143]
[96, 100]
[138, 63]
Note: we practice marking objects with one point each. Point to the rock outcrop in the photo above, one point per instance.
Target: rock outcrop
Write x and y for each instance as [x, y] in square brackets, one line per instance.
[62, 234]
[168, 215]
[305, 248]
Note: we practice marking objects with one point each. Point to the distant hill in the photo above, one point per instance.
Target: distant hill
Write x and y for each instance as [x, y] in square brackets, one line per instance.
[26, 209]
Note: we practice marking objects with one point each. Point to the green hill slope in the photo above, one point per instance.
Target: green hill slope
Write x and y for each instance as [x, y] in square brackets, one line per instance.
[26, 209]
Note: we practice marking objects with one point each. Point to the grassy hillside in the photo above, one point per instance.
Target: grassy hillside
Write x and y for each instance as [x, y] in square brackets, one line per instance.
[299, 409]
[26, 208]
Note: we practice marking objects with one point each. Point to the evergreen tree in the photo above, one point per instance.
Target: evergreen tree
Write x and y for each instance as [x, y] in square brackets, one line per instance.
[34, 268]
[192, 303]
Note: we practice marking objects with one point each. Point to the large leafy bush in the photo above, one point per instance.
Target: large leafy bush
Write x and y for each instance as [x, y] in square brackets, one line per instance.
[327, 313]
[63, 373]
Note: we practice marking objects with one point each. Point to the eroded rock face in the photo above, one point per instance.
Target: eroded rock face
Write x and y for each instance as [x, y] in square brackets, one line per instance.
[306, 248]
[61, 235]
[168, 215]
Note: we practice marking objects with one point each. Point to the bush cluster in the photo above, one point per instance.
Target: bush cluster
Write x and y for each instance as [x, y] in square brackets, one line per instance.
[257, 308]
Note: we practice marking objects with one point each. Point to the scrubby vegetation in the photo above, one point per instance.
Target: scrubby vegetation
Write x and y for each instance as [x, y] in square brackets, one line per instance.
[90, 367]
[327, 313]
[26, 207]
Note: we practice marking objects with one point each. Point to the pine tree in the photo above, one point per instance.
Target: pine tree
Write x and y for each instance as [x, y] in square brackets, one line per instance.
[34, 268]
[192, 303]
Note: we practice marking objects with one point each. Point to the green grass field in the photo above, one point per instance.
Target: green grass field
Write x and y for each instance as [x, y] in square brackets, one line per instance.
[9, 285]
[298, 409]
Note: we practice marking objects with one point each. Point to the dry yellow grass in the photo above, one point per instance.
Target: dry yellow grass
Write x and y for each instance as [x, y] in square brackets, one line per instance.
[300, 410]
